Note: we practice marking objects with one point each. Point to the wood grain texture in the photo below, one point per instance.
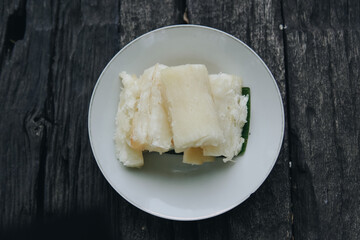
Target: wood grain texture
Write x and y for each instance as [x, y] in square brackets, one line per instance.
[51, 54]
[88, 34]
[86, 37]
[25, 64]
[322, 43]
[138, 17]
[266, 214]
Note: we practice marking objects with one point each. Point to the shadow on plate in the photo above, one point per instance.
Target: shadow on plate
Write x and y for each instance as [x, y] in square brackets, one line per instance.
[171, 164]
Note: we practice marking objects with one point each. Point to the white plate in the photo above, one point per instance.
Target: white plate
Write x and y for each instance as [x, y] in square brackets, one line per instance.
[164, 186]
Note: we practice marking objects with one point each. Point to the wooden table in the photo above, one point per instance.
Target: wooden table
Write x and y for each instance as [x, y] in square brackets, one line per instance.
[52, 53]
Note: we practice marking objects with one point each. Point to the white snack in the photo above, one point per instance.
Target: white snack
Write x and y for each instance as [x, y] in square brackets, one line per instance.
[181, 108]
[195, 156]
[150, 127]
[194, 121]
[232, 111]
[126, 109]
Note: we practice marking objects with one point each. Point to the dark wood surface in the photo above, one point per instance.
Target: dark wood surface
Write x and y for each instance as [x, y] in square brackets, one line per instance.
[51, 54]
[322, 49]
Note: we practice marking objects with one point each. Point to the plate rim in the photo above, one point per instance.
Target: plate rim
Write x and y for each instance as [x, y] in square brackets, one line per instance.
[237, 203]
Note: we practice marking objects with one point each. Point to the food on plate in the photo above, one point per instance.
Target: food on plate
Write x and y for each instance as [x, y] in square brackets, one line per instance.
[126, 110]
[195, 156]
[191, 109]
[232, 111]
[246, 128]
[150, 128]
[180, 108]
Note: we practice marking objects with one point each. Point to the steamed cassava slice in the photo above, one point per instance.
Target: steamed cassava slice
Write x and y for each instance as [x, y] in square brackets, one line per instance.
[191, 109]
[195, 156]
[159, 131]
[128, 97]
[150, 126]
[231, 111]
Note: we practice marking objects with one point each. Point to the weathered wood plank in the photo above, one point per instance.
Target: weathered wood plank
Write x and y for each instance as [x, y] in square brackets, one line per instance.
[25, 63]
[12, 14]
[266, 214]
[87, 36]
[322, 42]
[311, 15]
[137, 17]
